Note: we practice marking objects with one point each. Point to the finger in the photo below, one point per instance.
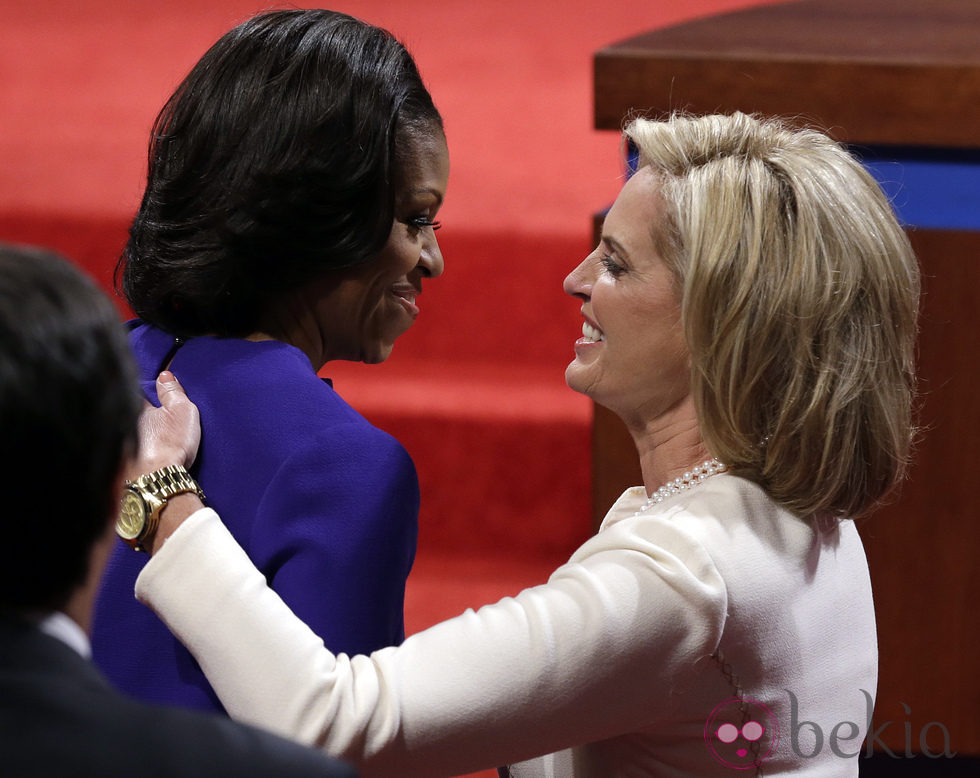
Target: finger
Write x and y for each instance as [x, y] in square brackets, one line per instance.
[169, 390]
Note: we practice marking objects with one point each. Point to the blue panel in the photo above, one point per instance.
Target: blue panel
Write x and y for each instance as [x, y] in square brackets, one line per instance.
[935, 189]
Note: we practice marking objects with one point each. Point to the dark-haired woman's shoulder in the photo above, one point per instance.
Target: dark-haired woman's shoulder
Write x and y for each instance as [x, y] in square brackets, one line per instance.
[324, 503]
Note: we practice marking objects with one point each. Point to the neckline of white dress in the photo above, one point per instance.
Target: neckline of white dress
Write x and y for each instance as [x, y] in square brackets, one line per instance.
[695, 476]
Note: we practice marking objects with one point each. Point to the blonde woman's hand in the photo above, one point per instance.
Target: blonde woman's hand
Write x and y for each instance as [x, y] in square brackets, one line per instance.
[170, 434]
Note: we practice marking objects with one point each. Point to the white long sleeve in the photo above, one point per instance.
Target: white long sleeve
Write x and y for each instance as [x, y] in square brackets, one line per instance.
[623, 641]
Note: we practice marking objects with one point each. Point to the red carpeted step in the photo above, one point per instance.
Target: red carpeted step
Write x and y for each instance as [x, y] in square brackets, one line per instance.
[500, 300]
[93, 241]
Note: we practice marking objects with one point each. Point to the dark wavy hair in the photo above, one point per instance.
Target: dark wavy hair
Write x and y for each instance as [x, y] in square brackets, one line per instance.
[69, 404]
[274, 161]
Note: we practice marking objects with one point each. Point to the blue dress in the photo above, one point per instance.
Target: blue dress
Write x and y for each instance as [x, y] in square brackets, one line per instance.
[324, 504]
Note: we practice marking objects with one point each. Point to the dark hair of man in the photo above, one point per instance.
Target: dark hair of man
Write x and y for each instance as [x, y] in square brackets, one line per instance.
[69, 404]
[273, 162]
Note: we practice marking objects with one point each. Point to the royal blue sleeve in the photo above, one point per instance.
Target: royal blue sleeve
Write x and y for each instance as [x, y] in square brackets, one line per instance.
[335, 535]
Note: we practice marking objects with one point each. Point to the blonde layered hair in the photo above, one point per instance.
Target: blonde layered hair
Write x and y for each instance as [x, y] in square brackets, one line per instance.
[800, 298]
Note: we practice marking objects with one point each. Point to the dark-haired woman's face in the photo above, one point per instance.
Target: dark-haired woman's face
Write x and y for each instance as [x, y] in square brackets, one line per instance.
[362, 315]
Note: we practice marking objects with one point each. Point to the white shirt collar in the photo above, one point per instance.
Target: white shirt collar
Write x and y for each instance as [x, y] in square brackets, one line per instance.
[60, 626]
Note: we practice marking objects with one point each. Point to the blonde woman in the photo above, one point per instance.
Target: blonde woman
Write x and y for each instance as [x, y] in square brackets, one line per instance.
[750, 314]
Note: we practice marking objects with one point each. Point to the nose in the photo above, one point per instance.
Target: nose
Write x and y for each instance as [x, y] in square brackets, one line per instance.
[578, 283]
[430, 261]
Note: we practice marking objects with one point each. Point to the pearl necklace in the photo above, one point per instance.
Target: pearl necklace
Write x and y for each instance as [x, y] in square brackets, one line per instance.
[689, 480]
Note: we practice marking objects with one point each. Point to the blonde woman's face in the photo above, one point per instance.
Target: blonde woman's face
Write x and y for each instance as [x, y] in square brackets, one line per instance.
[632, 356]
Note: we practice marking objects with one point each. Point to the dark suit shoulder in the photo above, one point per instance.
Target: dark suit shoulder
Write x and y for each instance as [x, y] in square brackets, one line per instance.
[58, 716]
[185, 743]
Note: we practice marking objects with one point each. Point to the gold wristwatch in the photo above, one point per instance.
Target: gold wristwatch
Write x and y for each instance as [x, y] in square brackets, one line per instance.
[144, 498]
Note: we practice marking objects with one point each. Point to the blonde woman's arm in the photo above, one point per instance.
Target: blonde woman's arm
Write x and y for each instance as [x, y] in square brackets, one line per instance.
[575, 660]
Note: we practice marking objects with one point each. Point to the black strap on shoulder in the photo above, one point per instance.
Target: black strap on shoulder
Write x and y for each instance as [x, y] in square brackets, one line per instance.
[169, 356]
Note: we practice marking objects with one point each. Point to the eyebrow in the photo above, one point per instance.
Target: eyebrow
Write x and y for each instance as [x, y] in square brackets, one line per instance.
[615, 245]
[423, 190]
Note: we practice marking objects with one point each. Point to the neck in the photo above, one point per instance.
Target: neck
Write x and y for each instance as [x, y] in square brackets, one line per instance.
[669, 445]
[79, 610]
[290, 321]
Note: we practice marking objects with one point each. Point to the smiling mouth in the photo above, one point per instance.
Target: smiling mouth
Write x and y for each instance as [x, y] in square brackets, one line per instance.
[592, 334]
[406, 296]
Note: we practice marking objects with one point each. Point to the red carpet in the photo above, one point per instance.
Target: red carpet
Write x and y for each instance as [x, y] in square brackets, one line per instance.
[475, 390]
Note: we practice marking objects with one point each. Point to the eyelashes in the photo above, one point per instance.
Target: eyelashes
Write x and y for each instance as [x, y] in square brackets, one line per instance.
[612, 266]
[422, 222]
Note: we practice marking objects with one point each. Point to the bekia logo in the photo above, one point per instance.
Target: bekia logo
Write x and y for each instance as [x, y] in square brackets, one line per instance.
[741, 733]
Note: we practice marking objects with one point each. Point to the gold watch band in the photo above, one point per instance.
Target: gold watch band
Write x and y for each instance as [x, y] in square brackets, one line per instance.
[168, 482]
[152, 491]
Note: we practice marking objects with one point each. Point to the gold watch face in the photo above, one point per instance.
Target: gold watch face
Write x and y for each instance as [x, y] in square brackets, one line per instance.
[132, 516]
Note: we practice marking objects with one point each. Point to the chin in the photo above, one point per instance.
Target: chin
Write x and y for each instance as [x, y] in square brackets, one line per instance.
[575, 382]
[377, 356]
[584, 381]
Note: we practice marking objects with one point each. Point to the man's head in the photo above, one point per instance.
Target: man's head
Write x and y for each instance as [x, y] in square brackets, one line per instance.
[68, 412]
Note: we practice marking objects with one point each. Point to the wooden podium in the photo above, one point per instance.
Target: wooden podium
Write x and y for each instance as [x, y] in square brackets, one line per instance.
[898, 80]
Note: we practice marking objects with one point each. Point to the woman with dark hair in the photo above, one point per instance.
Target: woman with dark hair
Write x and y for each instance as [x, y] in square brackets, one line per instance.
[750, 313]
[288, 220]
